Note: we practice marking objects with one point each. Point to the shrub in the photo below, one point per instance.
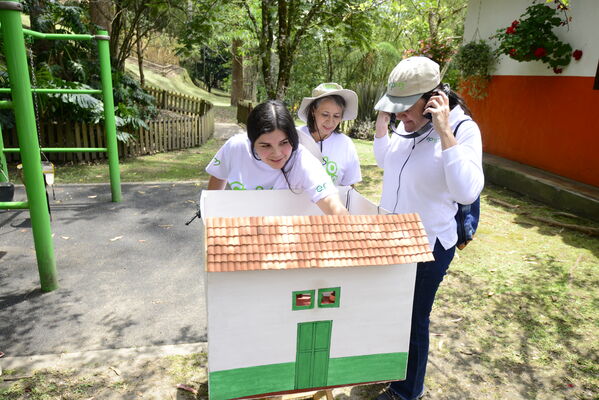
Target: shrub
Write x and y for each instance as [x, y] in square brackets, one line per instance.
[475, 61]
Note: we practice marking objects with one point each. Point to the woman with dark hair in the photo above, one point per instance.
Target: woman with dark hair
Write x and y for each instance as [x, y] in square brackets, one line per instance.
[432, 161]
[271, 157]
[323, 112]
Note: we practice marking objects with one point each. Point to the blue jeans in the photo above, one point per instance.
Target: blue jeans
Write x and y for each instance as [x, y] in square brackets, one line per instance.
[428, 278]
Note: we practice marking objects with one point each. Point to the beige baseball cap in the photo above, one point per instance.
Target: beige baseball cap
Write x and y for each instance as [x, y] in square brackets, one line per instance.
[408, 81]
[327, 89]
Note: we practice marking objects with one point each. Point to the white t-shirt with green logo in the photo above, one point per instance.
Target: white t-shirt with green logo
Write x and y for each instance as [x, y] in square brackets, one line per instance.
[235, 163]
[341, 158]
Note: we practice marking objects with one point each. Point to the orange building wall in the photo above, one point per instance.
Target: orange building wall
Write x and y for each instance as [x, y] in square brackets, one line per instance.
[549, 122]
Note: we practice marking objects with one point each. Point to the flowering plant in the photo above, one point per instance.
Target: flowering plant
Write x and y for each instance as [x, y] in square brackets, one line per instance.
[437, 49]
[531, 37]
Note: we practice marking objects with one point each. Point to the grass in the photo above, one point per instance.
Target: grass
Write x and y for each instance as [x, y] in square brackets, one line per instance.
[520, 303]
[52, 384]
[156, 378]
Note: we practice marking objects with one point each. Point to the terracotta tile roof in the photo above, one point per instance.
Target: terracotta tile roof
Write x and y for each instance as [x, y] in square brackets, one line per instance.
[285, 242]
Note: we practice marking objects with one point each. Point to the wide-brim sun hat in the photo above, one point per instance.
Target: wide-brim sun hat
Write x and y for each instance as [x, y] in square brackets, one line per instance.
[409, 80]
[327, 89]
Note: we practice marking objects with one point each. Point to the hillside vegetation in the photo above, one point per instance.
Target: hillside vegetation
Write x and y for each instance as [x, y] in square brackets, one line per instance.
[176, 79]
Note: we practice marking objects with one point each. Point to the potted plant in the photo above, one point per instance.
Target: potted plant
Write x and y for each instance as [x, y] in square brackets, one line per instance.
[475, 60]
[532, 38]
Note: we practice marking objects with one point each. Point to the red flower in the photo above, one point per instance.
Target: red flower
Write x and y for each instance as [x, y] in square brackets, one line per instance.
[515, 23]
[513, 52]
[540, 52]
[577, 54]
[510, 30]
[558, 70]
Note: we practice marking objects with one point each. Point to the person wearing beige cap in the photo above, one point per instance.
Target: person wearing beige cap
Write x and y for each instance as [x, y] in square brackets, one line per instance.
[432, 160]
[323, 112]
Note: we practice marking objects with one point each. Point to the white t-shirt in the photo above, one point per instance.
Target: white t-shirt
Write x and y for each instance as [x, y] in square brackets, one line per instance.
[235, 163]
[340, 157]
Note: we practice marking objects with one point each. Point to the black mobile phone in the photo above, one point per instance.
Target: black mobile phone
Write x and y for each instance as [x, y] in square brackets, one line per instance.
[447, 90]
[392, 122]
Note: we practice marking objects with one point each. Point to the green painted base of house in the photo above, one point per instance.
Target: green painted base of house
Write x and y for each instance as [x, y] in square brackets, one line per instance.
[233, 383]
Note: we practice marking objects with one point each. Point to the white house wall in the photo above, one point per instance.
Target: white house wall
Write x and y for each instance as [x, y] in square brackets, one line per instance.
[582, 34]
[253, 311]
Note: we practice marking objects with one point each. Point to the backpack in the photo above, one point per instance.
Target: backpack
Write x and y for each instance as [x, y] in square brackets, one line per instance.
[467, 216]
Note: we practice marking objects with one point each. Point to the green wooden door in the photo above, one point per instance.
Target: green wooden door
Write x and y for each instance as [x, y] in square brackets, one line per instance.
[312, 358]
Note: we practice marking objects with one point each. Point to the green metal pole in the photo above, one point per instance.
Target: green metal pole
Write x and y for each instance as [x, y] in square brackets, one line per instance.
[72, 91]
[109, 119]
[16, 63]
[4, 172]
[13, 205]
[57, 36]
[62, 150]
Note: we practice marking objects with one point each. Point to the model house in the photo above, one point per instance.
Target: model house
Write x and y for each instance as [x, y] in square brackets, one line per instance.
[297, 300]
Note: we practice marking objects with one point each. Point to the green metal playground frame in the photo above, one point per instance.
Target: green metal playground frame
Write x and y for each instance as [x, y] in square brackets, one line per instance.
[22, 105]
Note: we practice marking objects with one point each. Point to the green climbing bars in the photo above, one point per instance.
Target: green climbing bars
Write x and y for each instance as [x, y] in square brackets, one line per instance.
[22, 105]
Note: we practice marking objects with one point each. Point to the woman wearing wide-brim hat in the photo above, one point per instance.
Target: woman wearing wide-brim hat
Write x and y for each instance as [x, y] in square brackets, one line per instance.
[323, 112]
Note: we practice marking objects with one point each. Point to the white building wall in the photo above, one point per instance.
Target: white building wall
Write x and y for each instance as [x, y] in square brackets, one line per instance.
[490, 15]
[251, 321]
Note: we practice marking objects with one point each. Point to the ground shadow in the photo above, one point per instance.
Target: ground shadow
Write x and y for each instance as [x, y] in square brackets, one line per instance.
[506, 354]
[523, 207]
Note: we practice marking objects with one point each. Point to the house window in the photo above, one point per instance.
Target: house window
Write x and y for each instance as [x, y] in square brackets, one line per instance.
[303, 300]
[329, 297]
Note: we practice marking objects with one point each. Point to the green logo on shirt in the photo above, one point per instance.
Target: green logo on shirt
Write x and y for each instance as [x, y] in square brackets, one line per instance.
[322, 187]
[237, 186]
[216, 162]
[331, 168]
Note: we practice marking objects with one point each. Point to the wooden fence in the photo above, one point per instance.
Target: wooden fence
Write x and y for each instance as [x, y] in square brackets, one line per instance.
[179, 103]
[244, 107]
[193, 128]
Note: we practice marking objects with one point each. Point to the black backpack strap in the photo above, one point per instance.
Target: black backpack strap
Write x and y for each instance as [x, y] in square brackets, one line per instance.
[455, 131]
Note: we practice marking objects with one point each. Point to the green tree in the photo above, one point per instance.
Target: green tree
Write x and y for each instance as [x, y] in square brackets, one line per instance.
[211, 34]
[137, 19]
[281, 26]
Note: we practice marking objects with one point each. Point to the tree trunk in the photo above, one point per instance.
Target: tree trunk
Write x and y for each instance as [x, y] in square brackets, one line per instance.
[140, 63]
[101, 14]
[250, 73]
[329, 62]
[284, 75]
[266, 48]
[40, 47]
[237, 72]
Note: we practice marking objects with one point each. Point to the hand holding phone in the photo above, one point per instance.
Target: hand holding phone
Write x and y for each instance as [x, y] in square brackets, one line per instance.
[445, 89]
